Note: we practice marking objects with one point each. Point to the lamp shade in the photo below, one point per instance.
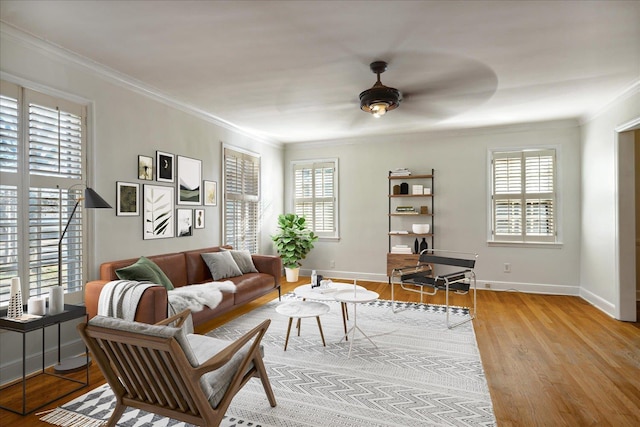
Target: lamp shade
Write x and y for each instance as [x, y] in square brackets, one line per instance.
[92, 200]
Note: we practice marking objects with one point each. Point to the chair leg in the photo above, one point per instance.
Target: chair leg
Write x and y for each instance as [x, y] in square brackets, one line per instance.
[117, 414]
[262, 372]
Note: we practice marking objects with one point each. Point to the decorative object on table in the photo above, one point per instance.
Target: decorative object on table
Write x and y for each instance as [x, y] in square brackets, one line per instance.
[164, 166]
[92, 200]
[199, 218]
[37, 306]
[314, 279]
[404, 188]
[396, 189]
[416, 246]
[210, 193]
[189, 181]
[145, 168]
[15, 308]
[424, 245]
[184, 222]
[56, 299]
[127, 199]
[420, 228]
[293, 242]
[158, 212]
[424, 210]
[416, 189]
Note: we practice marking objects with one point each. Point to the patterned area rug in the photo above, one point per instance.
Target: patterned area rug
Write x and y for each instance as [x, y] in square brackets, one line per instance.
[420, 374]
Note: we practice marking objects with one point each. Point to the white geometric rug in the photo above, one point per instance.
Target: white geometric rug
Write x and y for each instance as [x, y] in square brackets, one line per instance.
[420, 374]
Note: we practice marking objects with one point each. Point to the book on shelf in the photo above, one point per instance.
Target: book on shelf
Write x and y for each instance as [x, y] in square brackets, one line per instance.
[405, 208]
[398, 232]
[400, 172]
[401, 249]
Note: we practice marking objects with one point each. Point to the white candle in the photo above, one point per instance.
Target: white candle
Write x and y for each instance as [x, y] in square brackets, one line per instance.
[37, 305]
[15, 285]
[56, 300]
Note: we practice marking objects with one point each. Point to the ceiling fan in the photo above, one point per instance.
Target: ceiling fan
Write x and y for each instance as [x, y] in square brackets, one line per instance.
[379, 98]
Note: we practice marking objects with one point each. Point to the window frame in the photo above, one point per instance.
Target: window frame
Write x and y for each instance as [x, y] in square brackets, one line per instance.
[243, 198]
[296, 164]
[25, 180]
[523, 240]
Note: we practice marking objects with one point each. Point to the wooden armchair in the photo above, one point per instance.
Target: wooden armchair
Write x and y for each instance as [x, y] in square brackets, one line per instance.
[161, 369]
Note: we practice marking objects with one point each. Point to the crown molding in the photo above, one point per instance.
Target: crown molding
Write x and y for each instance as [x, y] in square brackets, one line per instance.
[633, 89]
[54, 51]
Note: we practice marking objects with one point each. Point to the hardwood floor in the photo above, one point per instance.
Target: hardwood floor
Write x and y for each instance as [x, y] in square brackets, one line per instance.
[549, 360]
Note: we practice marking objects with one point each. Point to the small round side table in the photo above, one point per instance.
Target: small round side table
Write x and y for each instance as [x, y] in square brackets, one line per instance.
[299, 310]
[356, 296]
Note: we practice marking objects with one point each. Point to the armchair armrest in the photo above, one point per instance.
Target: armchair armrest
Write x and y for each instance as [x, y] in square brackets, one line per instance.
[180, 318]
[227, 353]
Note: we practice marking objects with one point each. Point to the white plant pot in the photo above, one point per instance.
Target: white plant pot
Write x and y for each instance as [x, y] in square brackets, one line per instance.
[292, 274]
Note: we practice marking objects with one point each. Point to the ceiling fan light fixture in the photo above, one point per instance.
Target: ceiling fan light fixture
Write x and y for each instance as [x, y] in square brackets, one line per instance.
[380, 98]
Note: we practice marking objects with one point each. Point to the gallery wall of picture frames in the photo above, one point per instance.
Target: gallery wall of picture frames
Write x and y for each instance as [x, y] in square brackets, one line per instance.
[161, 217]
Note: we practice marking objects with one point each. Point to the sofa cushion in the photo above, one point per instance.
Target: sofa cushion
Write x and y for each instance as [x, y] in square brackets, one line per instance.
[145, 270]
[221, 265]
[243, 259]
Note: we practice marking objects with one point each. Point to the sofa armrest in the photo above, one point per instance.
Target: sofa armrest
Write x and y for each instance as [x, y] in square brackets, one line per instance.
[269, 264]
[152, 307]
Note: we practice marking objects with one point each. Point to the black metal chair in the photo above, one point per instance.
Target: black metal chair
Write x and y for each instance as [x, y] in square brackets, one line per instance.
[425, 280]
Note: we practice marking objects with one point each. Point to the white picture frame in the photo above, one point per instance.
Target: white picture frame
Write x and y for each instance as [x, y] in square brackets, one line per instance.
[158, 221]
[127, 199]
[189, 182]
[210, 193]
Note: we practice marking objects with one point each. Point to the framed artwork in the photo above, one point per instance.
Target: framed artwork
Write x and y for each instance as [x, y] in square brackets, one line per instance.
[189, 181]
[145, 168]
[127, 199]
[198, 220]
[158, 221]
[164, 167]
[210, 193]
[184, 222]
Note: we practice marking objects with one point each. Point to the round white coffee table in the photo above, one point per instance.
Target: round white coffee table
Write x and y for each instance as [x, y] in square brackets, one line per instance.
[299, 310]
[328, 294]
[356, 296]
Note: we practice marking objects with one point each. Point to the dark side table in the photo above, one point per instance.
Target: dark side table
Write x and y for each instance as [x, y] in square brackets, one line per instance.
[70, 312]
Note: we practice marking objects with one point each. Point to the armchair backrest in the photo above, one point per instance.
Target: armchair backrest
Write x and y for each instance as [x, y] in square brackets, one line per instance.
[147, 365]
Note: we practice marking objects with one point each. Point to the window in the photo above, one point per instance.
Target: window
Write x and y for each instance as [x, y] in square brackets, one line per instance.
[315, 195]
[42, 144]
[241, 199]
[524, 196]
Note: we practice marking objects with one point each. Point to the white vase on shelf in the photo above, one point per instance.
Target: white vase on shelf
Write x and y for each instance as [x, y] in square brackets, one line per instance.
[15, 308]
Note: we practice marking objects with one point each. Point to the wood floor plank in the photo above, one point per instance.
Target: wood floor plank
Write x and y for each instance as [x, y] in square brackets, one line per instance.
[549, 360]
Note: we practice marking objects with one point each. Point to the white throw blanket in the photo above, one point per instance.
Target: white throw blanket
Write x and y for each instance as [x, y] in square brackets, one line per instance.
[195, 297]
[120, 298]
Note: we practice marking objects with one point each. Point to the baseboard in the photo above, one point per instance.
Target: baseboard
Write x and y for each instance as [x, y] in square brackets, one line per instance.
[12, 370]
[598, 302]
[530, 288]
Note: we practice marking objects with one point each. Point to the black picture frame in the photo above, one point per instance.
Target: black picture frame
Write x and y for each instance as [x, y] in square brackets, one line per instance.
[165, 167]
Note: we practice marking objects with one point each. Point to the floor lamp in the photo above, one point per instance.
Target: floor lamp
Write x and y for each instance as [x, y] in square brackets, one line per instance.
[92, 200]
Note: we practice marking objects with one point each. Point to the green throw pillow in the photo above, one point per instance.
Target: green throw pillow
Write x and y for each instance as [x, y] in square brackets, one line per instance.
[145, 270]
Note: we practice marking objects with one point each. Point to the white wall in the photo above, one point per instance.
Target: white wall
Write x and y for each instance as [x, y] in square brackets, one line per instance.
[124, 124]
[599, 274]
[461, 202]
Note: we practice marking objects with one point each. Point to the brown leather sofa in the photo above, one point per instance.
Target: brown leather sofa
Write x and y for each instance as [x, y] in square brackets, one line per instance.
[186, 268]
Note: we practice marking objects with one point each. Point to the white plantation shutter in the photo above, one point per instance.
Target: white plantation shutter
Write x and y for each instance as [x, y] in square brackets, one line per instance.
[46, 136]
[524, 196]
[315, 195]
[241, 199]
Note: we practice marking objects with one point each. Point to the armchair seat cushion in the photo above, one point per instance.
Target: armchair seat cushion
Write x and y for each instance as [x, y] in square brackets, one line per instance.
[215, 383]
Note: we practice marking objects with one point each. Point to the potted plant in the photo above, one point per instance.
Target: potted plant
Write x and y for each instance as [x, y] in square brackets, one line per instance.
[293, 242]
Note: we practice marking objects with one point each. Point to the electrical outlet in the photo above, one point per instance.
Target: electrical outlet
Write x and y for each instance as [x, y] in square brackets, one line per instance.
[332, 264]
[487, 285]
[507, 267]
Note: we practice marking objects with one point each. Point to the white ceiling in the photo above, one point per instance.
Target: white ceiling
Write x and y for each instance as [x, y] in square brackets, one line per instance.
[292, 70]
